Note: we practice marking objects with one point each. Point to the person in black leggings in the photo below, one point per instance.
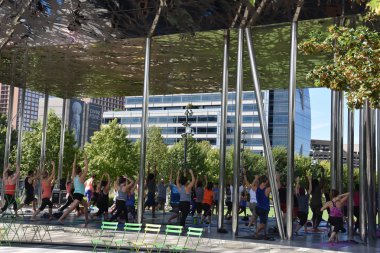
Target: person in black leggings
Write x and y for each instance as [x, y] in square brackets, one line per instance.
[185, 196]
[316, 201]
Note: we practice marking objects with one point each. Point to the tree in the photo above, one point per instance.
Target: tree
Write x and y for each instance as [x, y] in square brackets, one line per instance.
[354, 66]
[3, 132]
[110, 151]
[32, 145]
[157, 151]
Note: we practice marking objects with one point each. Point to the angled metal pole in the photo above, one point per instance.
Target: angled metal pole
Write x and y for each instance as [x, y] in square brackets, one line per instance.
[223, 131]
[291, 118]
[350, 167]
[334, 138]
[44, 129]
[371, 215]
[265, 134]
[237, 134]
[339, 146]
[378, 166]
[362, 178]
[8, 135]
[62, 141]
[144, 126]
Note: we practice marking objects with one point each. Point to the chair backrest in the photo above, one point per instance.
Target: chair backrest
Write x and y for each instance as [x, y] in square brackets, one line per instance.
[173, 230]
[107, 225]
[133, 227]
[152, 229]
[195, 233]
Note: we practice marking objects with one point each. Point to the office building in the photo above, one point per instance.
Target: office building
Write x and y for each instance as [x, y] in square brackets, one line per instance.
[167, 112]
[108, 104]
[31, 105]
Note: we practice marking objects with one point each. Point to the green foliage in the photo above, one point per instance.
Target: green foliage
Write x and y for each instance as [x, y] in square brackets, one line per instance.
[374, 6]
[355, 67]
[110, 151]
[157, 151]
[32, 145]
[3, 132]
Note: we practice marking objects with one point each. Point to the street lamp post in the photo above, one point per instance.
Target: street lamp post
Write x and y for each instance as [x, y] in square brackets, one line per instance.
[188, 131]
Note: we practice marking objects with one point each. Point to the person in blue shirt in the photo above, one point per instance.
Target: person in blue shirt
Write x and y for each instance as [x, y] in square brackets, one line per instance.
[216, 198]
[174, 199]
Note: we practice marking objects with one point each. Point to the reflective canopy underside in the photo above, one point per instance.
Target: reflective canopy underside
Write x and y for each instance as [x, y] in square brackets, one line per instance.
[95, 56]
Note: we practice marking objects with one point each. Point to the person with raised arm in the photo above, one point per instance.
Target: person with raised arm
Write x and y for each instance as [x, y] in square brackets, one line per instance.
[336, 214]
[208, 198]
[47, 183]
[29, 190]
[130, 201]
[78, 177]
[121, 198]
[174, 199]
[10, 179]
[252, 197]
[184, 188]
[102, 199]
[262, 207]
[316, 201]
[303, 204]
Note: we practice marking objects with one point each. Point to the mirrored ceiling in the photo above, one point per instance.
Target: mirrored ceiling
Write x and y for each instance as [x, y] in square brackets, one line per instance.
[96, 48]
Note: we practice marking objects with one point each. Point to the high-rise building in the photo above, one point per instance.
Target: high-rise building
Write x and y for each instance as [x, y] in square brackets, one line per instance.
[31, 105]
[108, 104]
[167, 112]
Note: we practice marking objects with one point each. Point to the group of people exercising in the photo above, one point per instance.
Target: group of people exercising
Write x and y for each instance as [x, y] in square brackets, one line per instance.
[187, 196]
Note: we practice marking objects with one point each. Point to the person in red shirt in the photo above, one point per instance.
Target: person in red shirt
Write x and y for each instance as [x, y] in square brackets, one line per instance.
[46, 183]
[208, 198]
[10, 179]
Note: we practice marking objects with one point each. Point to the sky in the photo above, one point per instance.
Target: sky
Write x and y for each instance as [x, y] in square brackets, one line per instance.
[320, 106]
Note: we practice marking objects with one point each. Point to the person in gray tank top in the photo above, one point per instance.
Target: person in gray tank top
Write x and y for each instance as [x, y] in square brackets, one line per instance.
[121, 198]
[184, 188]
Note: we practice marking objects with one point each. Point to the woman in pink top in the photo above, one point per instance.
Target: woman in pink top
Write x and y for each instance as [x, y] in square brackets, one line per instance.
[46, 183]
[336, 214]
[9, 181]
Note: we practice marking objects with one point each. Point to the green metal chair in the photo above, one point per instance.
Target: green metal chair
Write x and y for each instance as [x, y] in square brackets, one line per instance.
[106, 235]
[129, 230]
[193, 239]
[170, 230]
[152, 229]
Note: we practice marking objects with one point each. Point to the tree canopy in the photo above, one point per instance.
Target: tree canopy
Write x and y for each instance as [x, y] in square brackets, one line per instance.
[110, 151]
[355, 62]
[32, 145]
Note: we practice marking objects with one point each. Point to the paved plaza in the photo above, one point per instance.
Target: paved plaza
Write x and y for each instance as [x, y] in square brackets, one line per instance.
[74, 236]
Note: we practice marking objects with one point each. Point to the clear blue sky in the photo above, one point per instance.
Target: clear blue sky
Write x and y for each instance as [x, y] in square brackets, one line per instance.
[320, 105]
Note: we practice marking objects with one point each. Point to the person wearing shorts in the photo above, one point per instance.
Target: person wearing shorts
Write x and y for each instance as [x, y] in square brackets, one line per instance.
[78, 178]
[150, 201]
[46, 183]
[174, 201]
[252, 197]
[262, 207]
[208, 197]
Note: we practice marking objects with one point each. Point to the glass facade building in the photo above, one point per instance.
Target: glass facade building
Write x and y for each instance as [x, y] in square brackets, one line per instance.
[167, 112]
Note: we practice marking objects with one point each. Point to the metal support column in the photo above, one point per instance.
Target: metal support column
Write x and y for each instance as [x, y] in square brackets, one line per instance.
[339, 151]
[8, 135]
[44, 129]
[371, 214]
[20, 127]
[62, 141]
[291, 116]
[265, 135]
[237, 134]
[378, 166]
[223, 131]
[334, 138]
[350, 167]
[362, 178]
[144, 126]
